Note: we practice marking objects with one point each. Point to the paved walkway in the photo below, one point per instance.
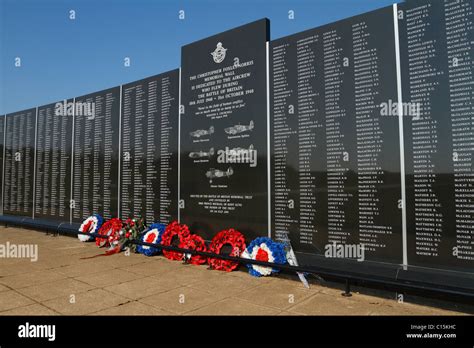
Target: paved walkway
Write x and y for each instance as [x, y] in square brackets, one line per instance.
[60, 282]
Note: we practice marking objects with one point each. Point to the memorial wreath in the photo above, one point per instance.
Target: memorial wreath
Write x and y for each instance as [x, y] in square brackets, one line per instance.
[194, 242]
[152, 235]
[110, 229]
[232, 238]
[131, 230]
[90, 225]
[267, 250]
[175, 234]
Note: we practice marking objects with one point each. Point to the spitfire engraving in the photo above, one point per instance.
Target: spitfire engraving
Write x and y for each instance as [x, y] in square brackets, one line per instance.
[239, 128]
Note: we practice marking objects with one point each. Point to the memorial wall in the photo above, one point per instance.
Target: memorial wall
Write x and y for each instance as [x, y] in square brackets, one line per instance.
[437, 51]
[358, 132]
[335, 160]
[18, 164]
[96, 155]
[2, 154]
[53, 161]
[223, 145]
[347, 166]
[149, 140]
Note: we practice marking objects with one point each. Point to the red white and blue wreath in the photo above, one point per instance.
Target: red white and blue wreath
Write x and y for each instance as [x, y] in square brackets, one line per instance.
[90, 225]
[152, 235]
[264, 249]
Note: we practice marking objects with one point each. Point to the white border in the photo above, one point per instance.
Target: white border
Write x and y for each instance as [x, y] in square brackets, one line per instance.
[400, 132]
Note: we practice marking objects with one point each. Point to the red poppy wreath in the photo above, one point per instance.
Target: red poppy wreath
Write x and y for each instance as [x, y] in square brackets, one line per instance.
[174, 230]
[232, 238]
[194, 242]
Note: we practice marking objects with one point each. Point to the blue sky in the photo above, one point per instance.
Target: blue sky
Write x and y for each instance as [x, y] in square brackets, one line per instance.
[63, 58]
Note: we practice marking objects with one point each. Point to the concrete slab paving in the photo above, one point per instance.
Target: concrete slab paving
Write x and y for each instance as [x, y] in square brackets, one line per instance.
[34, 309]
[65, 280]
[133, 308]
[231, 286]
[114, 276]
[322, 304]
[51, 290]
[233, 306]
[148, 268]
[85, 302]
[12, 299]
[279, 296]
[189, 274]
[17, 267]
[181, 300]
[26, 279]
[81, 269]
[135, 290]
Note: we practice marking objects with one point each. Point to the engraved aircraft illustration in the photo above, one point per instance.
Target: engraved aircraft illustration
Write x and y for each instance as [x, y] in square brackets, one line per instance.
[201, 132]
[202, 154]
[238, 128]
[213, 173]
